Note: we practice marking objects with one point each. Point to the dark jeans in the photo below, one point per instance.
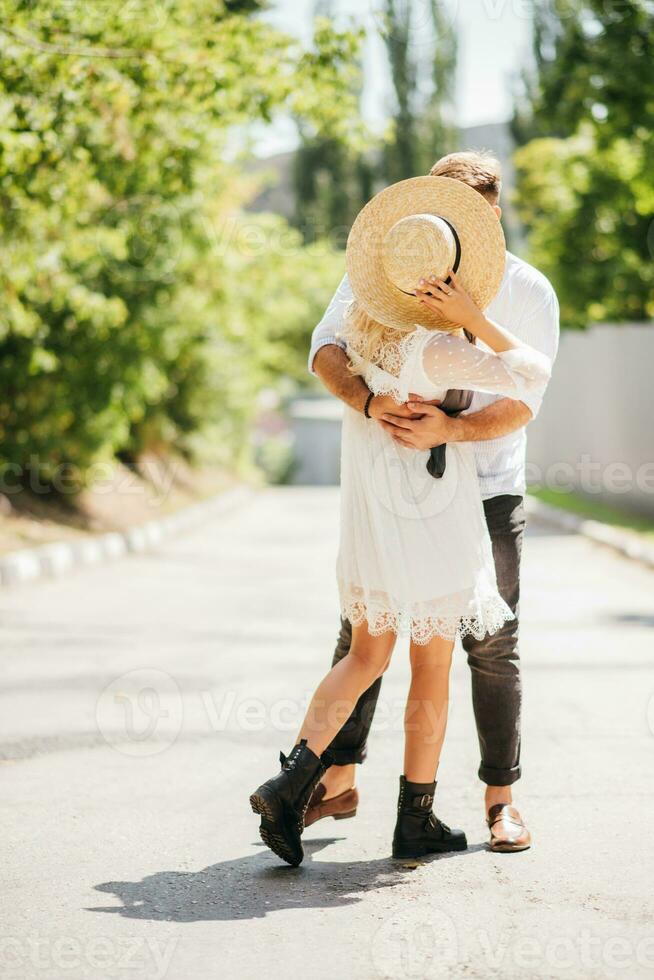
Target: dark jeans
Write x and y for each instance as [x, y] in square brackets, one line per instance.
[494, 664]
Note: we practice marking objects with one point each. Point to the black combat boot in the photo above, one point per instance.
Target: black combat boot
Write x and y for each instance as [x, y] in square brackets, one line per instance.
[418, 830]
[282, 801]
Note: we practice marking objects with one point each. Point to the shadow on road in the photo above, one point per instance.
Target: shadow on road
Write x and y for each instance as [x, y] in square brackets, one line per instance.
[250, 887]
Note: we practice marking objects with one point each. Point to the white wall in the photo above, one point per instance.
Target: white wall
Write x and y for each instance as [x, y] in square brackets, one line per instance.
[316, 427]
[595, 432]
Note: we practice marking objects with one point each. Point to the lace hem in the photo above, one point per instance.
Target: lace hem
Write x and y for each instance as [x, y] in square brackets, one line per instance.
[491, 614]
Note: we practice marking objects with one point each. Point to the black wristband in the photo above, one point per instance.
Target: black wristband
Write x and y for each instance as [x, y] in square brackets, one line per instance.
[366, 407]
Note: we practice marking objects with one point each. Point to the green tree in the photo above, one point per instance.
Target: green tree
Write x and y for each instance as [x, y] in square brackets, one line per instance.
[332, 182]
[585, 188]
[422, 58]
[120, 294]
[333, 176]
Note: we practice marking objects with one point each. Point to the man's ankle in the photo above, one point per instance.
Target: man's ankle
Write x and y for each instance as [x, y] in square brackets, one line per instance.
[338, 779]
[497, 794]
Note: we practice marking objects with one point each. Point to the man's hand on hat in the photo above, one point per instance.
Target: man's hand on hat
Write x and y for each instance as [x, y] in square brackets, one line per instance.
[448, 298]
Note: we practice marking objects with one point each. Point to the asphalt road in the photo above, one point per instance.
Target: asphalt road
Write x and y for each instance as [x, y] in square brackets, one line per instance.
[144, 700]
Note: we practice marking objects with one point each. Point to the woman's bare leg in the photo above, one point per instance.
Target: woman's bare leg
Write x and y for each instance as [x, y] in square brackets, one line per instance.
[425, 718]
[339, 691]
[418, 830]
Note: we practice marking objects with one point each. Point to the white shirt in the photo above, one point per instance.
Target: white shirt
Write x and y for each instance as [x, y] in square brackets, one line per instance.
[525, 304]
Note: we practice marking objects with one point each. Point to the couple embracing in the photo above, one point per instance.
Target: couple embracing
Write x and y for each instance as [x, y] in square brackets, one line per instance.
[440, 342]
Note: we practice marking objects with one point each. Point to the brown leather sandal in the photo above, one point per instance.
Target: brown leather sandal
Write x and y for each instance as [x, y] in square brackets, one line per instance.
[339, 807]
[519, 841]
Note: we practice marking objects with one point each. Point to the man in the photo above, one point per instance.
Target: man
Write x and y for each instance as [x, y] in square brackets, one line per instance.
[526, 304]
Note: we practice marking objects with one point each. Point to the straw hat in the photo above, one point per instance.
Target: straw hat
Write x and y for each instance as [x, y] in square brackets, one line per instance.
[419, 228]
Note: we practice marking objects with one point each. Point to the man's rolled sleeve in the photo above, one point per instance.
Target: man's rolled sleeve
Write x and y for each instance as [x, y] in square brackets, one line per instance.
[327, 331]
[533, 400]
[317, 343]
[541, 331]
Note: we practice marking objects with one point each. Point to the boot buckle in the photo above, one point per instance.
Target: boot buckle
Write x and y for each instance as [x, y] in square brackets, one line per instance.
[426, 800]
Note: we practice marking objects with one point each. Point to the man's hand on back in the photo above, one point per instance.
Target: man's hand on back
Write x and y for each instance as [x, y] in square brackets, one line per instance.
[434, 427]
[418, 430]
[385, 407]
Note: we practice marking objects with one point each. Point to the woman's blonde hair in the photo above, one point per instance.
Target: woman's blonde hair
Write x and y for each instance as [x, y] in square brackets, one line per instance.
[367, 337]
[374, 342]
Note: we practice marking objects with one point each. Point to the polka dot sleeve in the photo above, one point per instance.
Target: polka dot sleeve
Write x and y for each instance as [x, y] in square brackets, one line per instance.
[453, 362]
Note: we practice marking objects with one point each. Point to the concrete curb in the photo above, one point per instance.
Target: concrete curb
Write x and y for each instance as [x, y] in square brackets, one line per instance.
[53, 560]
[626, 544]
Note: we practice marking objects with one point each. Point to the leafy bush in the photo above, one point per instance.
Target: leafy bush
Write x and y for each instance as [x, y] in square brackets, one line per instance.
[585, 171]
[130, 317]
[589, 209]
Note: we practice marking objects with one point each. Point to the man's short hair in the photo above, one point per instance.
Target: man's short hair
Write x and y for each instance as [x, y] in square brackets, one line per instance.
[479, 170]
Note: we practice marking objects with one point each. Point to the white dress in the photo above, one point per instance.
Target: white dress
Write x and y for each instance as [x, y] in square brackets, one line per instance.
[415, 554]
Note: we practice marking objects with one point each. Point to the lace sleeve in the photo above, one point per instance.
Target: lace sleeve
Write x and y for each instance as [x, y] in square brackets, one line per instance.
[379, 381]
[453, 362]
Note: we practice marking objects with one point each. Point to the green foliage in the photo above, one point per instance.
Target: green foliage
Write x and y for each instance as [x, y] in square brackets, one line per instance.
[422, 53]
[590, 212]
[585, 185]
[276, 290]
[332, 183]
[332, 174]
[276, 459]
[335, 176]
[132, 312]
[592, 61]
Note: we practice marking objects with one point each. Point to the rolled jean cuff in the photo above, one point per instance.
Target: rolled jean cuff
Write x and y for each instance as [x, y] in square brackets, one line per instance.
[499, 777]
[348, 757]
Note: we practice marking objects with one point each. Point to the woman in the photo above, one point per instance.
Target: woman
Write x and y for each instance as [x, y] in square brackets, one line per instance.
[424, 258]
